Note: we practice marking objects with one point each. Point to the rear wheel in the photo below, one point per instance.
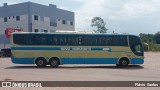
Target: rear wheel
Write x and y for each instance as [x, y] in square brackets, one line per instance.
[54, 62]
[123, 62]
[41, 62]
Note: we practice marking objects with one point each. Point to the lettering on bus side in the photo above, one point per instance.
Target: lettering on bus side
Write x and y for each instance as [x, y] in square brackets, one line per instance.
[76, 49]
[65, 49]
[106, 49]
[81, 49]
[85, 49]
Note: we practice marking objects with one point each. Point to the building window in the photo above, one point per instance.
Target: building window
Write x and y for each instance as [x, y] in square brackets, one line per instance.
[5, 19]
[13, 17]
[54, 24]
[71, 23]
[59, 19]
[35, 30]
[46, 31]
[42, 18]
[9, 17]
[35, 17]
[63, 22]
[17, 18]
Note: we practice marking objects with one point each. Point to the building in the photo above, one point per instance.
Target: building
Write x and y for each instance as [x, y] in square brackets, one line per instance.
[33, 17]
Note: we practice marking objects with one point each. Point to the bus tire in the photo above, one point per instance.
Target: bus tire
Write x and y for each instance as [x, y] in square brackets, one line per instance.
[54, 62]
[123, 62]
[41, 62]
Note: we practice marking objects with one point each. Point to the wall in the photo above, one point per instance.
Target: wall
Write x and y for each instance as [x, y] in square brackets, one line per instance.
[4, 42]
[12, 23]
[43, 24]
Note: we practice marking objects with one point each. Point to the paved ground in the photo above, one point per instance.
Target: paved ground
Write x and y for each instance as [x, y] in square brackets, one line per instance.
[149, 71]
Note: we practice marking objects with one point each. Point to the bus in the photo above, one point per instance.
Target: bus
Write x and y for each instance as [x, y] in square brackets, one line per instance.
[56, 49]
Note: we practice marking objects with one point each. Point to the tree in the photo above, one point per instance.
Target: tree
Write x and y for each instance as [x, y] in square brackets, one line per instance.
[99, 24]
[147, 37]
[153, 41]
[157, 37]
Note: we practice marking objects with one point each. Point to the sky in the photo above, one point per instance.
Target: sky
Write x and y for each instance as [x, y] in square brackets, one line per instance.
[121, 16]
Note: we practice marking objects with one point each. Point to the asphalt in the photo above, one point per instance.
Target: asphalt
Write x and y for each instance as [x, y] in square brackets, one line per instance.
[149, 71]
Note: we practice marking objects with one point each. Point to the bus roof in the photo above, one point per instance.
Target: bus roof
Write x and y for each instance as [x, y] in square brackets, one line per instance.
[75, 33]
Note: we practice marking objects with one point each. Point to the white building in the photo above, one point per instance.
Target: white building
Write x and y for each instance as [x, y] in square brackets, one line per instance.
[32, 17]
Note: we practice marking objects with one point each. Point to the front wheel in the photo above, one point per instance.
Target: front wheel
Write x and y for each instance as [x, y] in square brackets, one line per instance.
[54, 63]
[123, 63]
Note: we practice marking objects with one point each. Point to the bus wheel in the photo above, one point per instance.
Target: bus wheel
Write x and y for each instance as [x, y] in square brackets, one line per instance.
[40, 62]
[123, 62]
[54, 62]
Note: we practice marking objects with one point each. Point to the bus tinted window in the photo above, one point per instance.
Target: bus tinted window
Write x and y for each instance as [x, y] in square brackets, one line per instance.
[29, 40]
[120, 41]
[23, 39]
[39, 40]
[70, 40]
[111, 41]
[19, 39]
[135, 45]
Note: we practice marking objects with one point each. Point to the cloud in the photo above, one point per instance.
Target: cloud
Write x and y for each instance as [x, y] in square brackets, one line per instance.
[116, 11]
[9, 2]
[134, 9]
[116, 8]
[89, 10]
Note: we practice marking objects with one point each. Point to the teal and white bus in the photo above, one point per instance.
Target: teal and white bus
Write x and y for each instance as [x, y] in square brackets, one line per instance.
[74, 48]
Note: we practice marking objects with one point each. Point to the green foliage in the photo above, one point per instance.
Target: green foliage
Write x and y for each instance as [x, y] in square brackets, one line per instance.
[157, 37]
[154, 47]
[147, 37]
[146, 46]
[99, 25]
[153, 41]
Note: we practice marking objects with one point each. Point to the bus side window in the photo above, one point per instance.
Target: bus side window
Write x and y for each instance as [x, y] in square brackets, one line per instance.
[101, 41]
[109, 41]
[43, 40]
[30, 39]
[86, 41]
[55, 42]
[94, 41]
[69, 41]
[64, 40]
[52, 40]
[79, 40]
[49, 40]
[19, 39]
[61, 41]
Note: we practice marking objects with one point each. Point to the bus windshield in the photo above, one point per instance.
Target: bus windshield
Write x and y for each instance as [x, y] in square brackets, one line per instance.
[136, 45]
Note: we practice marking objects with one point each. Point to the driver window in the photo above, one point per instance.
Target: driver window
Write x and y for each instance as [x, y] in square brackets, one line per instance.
[138, 48]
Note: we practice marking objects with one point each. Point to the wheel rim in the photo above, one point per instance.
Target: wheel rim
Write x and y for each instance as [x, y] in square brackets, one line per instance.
[124, 63]
[54, 63]
[40, 62]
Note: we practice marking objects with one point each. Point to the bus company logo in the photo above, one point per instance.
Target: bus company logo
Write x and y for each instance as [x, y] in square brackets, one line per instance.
[6, 84]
